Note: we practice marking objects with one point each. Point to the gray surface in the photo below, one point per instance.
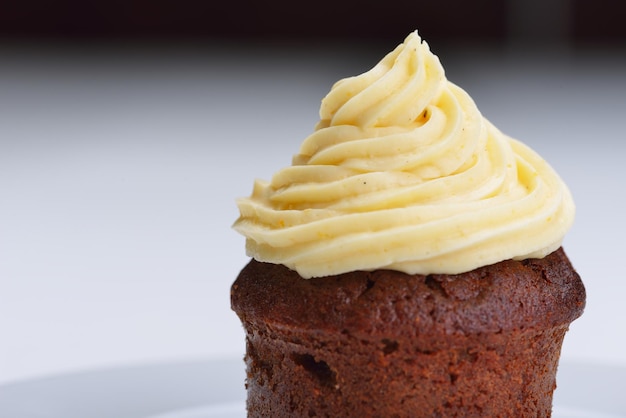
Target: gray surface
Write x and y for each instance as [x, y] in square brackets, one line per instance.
[215, 389]
[133, 392]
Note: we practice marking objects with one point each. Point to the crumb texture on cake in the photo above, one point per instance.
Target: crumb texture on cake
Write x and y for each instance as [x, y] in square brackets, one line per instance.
[507, 296]
[482, 343]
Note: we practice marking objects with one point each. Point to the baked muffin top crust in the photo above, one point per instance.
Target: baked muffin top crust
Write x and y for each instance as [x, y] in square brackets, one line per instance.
[506, 296]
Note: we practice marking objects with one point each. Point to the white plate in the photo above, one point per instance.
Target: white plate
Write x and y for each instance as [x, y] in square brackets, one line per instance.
[214, 388]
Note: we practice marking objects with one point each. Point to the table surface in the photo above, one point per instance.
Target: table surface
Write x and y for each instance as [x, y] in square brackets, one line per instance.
[119, 170]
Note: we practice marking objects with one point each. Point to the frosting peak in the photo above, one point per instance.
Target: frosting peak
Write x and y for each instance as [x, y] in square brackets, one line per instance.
[402, 172]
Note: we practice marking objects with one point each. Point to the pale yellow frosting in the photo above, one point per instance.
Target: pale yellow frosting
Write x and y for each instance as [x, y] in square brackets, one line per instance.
[403, 172]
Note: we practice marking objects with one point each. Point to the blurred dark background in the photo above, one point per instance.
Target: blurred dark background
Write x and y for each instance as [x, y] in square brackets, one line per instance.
[575, 22]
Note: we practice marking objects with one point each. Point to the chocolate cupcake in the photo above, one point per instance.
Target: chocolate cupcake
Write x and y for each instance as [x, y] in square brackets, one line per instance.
[388, 344]
[409, 262]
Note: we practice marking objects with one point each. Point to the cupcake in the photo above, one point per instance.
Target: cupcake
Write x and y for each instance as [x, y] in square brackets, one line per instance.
[409, 262]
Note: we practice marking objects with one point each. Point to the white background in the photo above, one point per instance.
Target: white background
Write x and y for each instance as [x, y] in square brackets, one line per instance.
[119, 170]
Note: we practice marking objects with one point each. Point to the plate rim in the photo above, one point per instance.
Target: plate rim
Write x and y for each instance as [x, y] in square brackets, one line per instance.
[193, 384]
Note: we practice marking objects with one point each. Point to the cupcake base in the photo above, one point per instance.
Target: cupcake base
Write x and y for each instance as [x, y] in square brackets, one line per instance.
[386, 344]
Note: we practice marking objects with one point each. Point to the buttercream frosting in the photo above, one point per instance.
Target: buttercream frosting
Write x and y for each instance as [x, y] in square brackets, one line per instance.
[403, 172]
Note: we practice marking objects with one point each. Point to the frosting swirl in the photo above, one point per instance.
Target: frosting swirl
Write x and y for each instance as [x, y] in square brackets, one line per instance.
[403, 172]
